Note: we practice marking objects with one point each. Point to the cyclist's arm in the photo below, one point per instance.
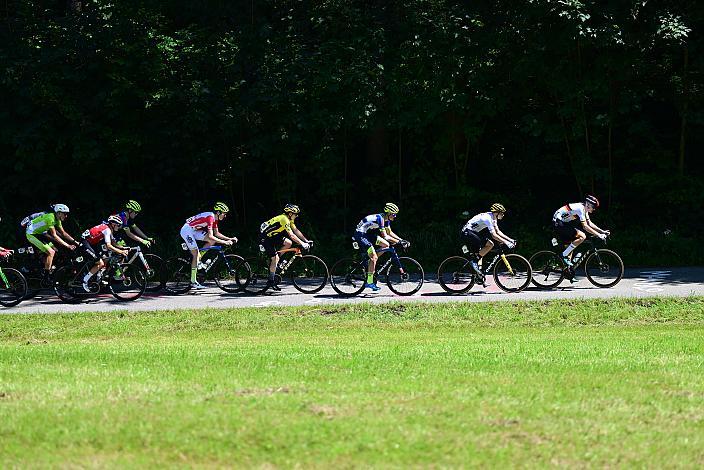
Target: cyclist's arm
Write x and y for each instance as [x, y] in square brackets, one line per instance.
[117, 250]
[598, 229]
[500, 237]
[64, 234]
[590, 228]
[138, 231]
[300, 236]
[389, 235]
[134, 237]
[55, 236]
[504, 236]
[220, 236]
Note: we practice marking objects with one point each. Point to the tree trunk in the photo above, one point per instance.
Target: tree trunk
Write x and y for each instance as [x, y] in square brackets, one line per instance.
[685, 107]
[570, 158]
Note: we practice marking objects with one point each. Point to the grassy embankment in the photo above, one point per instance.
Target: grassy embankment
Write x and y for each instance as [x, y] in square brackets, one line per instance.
[590, 382]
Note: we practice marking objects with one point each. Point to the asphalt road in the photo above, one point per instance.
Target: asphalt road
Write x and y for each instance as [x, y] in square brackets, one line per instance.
[677, 282]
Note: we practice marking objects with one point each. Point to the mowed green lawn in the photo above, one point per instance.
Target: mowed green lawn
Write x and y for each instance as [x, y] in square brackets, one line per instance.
[617, 383]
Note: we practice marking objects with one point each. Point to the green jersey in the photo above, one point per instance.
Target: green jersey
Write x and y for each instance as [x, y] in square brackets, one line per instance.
[43, 223]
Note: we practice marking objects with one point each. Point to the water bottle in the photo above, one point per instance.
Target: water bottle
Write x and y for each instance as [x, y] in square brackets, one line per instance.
[577, 257]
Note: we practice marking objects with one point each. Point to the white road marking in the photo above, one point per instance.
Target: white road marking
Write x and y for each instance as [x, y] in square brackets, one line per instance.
[652, 282]
[268, 303]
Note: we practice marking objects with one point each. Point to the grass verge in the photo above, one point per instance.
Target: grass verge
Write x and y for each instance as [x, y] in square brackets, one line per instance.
[593, 382]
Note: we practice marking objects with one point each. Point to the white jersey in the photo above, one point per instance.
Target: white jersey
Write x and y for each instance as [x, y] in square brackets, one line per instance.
[571, 212]
[372, 222]
[481, 221]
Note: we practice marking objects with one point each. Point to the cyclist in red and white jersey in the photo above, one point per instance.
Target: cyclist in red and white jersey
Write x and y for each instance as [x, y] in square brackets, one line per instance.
[103, 233]
[572, 220]
[204, 227]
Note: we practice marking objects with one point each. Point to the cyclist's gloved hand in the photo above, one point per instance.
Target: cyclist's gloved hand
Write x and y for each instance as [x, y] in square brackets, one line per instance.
[147, 243]
[405, 243]
[234, 240]
[511, 245]
[602, 237]
[152, 240]
[306, 246]
[607, 233]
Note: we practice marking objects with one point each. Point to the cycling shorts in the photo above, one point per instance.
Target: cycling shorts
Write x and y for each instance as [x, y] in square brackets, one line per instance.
[192, 236]
[475, 240]
[89, 249]
[272, 244]
[39, 244]
[366, 240]
[566, 231]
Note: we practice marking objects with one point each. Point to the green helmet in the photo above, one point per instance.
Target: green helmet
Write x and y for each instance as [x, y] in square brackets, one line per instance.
[133, 206]
[391, 208]
[221, 207]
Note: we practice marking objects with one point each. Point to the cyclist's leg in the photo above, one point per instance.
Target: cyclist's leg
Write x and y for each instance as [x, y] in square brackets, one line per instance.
[271, 246]
[43, 248]
[366, 243]
[99, 263]
[574, 236]
[189, 236]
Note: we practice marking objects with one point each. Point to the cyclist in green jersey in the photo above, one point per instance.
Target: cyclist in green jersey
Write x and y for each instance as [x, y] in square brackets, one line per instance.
[48, 225]
[273, 238]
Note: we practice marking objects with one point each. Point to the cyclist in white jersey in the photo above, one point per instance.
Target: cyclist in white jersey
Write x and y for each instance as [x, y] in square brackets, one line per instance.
[376, 230]
[570, 218]
[479, 231]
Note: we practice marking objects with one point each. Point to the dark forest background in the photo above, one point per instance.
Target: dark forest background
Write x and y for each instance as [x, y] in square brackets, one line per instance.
[341, 105]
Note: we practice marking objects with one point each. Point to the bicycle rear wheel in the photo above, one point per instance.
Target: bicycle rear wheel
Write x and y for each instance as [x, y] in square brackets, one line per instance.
[347, 277]
[68, 285]
[512, 273]
[178, 275]
[410, 281]
[156, 276]
[232, 273]
[127, 283]
[258, 279]
[13, 287]
[308, 273]
[456, 275]
[604, 268]
[547, 269]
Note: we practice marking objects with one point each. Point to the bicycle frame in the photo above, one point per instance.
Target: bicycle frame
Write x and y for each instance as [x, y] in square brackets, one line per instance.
[385, 266]
[284, 264]
[5, 282]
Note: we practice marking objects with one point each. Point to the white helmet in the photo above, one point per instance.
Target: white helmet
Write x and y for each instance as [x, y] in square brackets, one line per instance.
[60, 208]
[115, 219]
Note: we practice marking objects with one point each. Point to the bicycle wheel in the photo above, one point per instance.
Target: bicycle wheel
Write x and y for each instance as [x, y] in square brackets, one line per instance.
[604, 268]
[178, 275]
[410, 281]
[126, 282]
[308, 273]
[259, 276]
[512, 273]
[13, 287]
[456, 275]
[232, 273]
[347, 277]
[67, 283]
[547, 270]
[156, 276]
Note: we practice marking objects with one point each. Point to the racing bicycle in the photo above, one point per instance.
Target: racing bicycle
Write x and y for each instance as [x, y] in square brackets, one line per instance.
[124, 277]
[603, 267]
[13, 286]
[229, 271]
[403, 275]
[511, 271]
[307, 272]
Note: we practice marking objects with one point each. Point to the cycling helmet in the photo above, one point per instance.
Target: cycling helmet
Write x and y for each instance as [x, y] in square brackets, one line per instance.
[292, 208]
[60, 208]
[496, 207]
[221, 207]
[115, 219]
[133, 206]
[592, 200]
[391, 208]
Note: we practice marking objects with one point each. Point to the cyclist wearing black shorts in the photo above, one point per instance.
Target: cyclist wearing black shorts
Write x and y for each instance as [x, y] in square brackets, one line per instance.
[273, 238]
[571, 221]
[479, 231]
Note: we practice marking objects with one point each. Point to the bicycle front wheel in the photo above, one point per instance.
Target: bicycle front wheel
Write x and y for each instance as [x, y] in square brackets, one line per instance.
[456, 275]
[347, 277]
[547, 269]
[309, 274]
[410, 281]
[127, 283]
[156, 276]
[67, 284]
[178, 275]
[231, 273]
[604, 268]
[13, 287]
[512, 273]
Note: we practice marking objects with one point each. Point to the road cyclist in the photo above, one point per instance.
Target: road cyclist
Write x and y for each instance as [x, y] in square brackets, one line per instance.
[46, 230]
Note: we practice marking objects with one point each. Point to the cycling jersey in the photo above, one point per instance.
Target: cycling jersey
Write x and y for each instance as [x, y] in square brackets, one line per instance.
[126, 221]
[373, 222]
[43, 223]
[29, 218]
[277, 225]
[203, 222]
[479, 222]
[571, 212]
[97, 234]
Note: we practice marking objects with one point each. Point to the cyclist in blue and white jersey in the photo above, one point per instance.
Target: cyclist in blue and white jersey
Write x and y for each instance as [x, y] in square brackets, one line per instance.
[375, 230]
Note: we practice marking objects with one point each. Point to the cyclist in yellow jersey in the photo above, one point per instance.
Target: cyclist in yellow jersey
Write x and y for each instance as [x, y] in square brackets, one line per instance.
[273, 238]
